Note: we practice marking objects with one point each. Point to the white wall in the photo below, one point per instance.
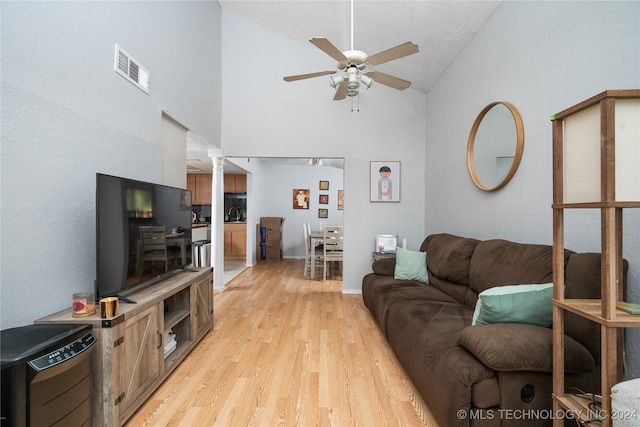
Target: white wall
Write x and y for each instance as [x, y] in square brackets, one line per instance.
[278, 201]
[266, 117]
[543, 57]
[67, 115]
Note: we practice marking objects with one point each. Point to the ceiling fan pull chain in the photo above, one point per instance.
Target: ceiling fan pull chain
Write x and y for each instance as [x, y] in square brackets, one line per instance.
[358, 104]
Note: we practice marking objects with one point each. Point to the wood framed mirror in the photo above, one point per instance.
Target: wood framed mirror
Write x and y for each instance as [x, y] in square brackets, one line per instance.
[495, 146]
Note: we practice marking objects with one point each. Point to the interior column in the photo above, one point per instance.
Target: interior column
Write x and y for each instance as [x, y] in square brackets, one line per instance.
[217, 218]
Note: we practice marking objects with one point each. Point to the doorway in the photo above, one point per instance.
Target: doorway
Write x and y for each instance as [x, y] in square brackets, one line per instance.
[271, 182]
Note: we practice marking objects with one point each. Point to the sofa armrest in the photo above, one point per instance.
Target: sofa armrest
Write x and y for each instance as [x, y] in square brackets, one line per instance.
[520, 347]
[384, 266]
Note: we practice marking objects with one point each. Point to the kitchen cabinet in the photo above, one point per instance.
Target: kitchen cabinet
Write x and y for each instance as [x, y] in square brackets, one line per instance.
[130, 361]
[200, 186]
[235, 183]
[235, 241]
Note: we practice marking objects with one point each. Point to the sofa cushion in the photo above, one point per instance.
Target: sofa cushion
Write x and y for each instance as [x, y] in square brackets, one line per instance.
[461, 293]
[379, 293]
[384, 266]
[530, 304]
[449, 256]
[424, 338]
[410, 265]
[500, 262]
[518, 347]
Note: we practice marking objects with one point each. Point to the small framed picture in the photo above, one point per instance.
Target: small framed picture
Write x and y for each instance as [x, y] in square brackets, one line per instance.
[384, 181]
[324, 185]
[300, 198]
[323, 213]
[386, 243]
[323, 199]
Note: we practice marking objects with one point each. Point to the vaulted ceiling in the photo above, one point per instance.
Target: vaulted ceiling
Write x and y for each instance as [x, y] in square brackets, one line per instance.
[440, 28]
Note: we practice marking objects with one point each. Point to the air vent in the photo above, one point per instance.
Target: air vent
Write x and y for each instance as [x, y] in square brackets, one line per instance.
[130, 69]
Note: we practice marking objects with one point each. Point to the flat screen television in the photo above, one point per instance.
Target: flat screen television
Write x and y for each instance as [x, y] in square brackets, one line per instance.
[123, 208]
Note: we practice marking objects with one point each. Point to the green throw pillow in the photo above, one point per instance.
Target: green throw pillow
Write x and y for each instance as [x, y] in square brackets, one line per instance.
[411, 265]
[530, 304]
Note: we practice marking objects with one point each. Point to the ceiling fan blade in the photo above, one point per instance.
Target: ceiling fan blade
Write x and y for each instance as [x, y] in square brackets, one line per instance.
[341, 92]
[406, 49]
[308, 76]
[387, 80]
[327, 47]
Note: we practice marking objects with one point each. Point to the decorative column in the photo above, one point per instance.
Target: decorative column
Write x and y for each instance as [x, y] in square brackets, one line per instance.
[217, 218]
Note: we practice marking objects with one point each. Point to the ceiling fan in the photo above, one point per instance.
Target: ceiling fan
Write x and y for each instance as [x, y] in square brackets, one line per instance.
[353, 64]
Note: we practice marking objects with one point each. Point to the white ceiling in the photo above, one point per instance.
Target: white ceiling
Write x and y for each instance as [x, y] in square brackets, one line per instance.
[440, 28]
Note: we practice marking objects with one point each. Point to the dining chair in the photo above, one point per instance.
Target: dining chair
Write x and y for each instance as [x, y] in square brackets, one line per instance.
[318, 245]
[332, 245]
[153, 241]
[309, 263]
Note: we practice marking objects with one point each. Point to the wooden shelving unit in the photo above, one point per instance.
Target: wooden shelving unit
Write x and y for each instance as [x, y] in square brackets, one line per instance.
[129, 362]
[593, 168]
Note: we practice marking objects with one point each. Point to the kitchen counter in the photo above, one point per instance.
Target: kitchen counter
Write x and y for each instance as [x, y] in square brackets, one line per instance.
[200, 224]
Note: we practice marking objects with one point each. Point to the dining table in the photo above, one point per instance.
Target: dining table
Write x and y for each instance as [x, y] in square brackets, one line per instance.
[181, 240]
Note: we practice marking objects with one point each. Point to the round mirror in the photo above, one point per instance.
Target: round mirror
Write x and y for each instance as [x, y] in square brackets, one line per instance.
[495, 146]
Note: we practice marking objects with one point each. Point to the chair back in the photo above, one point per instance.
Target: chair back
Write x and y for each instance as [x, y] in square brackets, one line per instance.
[153, 238]
[333, 243]
[333, 240]
[306, 235]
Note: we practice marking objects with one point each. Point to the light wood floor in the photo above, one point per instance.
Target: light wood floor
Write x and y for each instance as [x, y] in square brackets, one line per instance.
[287, 351]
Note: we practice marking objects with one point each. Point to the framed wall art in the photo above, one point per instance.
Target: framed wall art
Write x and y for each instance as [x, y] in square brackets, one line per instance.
[324, 185]
[340, 200]
[384, 181]
[386, 243]
[323, 199]
[300, 198]
[323, 213]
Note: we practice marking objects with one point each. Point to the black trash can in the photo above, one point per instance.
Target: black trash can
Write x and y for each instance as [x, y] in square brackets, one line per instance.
[202, 253]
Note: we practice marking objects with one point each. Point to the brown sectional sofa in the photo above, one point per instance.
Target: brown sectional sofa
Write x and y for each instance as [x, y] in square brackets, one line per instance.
[483, 375]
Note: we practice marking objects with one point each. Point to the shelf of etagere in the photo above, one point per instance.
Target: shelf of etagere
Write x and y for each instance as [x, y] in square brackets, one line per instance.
[580, 408]
[595, 166]
[597, 205]
[592, 310]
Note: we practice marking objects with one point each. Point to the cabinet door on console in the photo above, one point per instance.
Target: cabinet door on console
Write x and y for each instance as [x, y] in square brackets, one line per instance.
[142, 355]
[204, 310]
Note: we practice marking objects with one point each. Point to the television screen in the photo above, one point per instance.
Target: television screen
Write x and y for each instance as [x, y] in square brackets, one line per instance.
[143, 233]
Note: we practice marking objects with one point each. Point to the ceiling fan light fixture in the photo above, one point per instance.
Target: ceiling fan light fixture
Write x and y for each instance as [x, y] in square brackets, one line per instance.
[334, 81]
[353, 82]
[366, 80]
